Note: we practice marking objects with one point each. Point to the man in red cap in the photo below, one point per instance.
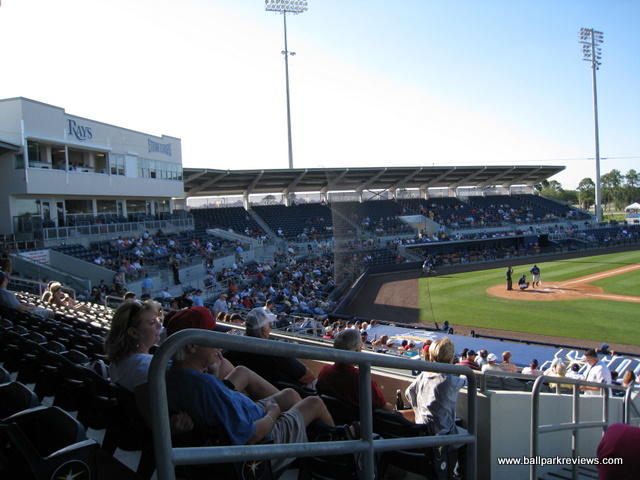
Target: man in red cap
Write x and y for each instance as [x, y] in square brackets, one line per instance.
[266, 413]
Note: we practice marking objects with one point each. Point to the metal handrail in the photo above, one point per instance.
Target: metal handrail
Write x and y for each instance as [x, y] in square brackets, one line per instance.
[41, 287]
[167, 457]
[575, 425]
[630, 407]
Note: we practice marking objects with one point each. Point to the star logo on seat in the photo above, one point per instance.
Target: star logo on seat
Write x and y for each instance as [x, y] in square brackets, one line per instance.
[72, 470]
[253, 470]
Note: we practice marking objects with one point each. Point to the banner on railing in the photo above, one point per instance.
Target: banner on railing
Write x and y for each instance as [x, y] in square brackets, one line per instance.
[37, 256]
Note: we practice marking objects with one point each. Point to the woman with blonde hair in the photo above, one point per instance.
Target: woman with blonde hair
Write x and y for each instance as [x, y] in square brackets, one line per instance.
[433, 396]
[629, 379]
[560, 370]
[506, 364]
[55, 296]
[135, 328]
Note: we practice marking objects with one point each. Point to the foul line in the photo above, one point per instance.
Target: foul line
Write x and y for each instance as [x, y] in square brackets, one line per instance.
[623, 298]
[598, 276]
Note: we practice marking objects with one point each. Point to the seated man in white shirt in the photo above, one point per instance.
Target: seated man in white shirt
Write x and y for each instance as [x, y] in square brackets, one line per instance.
[597, 372]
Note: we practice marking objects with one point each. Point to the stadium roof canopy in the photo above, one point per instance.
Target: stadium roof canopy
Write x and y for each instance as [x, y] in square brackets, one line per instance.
[205, 182]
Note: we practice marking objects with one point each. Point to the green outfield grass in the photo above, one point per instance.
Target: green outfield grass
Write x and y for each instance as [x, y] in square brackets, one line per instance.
[462, 299]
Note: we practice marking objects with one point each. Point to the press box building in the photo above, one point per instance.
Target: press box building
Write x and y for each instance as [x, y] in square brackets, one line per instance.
[59, 170]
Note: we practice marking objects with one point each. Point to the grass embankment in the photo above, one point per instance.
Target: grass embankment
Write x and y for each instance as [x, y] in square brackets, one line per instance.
[462, 299]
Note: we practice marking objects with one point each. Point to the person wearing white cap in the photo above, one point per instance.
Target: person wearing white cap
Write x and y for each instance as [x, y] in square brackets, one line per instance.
[220, 305]
[491, 363]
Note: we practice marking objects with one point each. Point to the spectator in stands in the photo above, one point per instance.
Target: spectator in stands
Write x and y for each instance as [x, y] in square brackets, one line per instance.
[184, 300]
[97, 296]
[491, 363]
[340, 380]
[506, 364]
[425, 347]
[174, 264]
[391, 346]
[6, 265]
[9, 300]
[99, 260]
[560, 370]
[470, 360]
[552, 369]
[135, 328]
[328, 332]
[236, 319]
[56, 297]
[629, 379]
[272, 368]
[433, 397]
[118, 283]
[196, 298]
[620, 442]
[481, 359]
[268, 307]
[147, 285]
[103, 287]
[574, 372]
[604, 350]
[380, 342]
[216, 400]
[165, 293]
[597, 372]
[220, 305]
[532, 369]
[129, 297]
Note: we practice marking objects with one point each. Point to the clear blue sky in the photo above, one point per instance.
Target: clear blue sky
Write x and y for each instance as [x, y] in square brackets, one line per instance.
[374, 83]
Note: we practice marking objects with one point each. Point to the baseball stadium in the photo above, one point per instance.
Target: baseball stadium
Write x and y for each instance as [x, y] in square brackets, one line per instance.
[419, 254]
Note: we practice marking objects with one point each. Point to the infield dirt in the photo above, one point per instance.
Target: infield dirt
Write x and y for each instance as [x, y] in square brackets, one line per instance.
[394, 297]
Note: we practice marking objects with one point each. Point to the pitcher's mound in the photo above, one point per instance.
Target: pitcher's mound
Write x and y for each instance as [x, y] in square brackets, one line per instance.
[547, 292]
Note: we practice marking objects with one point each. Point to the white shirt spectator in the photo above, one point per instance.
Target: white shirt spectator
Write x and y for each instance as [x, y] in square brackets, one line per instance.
[600, 373]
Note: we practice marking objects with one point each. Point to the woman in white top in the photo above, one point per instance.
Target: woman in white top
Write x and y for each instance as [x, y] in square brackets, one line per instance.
[135, 328]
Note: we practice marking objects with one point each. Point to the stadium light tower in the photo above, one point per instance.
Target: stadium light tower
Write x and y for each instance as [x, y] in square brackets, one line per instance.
[284, 7]
[591, 52]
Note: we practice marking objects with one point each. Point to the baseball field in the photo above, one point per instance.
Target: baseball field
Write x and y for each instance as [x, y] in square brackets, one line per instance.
[590, 298]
